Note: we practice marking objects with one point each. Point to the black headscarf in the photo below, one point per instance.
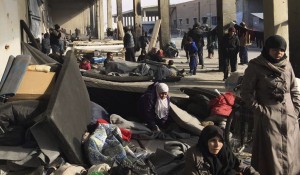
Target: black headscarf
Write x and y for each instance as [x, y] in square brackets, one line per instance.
[225, 162]
[275, 42]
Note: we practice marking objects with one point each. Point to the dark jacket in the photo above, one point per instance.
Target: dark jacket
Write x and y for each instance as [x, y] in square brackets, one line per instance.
[195, 164]
[128, 40]
[230, 44]
[146, 108]
[197, 35]
[143, 41]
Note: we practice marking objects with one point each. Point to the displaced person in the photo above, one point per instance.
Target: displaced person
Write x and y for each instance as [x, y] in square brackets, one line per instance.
[109, 58]
[142, 57]
[156, 55]
[46, 47]
[85, 64]
[210, 44]
[244, 39]
[212, 156]
[230, 48]
[183, 44]
[197, 34]
[154, 106]
[192, 50]
[129, 45]
[172, 67]
[269, 88]
[144, 41]
[55, 36]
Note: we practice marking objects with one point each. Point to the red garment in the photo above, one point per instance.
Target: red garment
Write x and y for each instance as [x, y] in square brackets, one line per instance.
[126, 134]
[221, 106]
[85, 65]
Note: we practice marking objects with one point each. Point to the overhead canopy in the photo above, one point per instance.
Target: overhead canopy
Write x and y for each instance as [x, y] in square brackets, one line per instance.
[259, 15]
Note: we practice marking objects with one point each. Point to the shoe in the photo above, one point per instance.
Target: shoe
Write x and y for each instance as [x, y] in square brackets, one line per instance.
[202, 67]
[241, 63]
[224, 79]
[206, 123]
[181, 71]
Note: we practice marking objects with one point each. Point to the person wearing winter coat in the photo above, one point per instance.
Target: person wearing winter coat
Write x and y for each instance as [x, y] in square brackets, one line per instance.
[183, 44]
[211, 156]
[230, 48]
[270, 90]
[46, 47]
[197, 34]
[192, 51]
[128, 41]
[144, 41]
[154, 106]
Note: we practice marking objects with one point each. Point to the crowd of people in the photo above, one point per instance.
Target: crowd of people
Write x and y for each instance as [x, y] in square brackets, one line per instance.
[269, 89]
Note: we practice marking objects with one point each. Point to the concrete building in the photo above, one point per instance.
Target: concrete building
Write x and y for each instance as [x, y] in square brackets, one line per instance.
[280, 17]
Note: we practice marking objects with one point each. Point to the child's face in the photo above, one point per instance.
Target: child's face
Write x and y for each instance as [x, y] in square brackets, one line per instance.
[110, 56]
[163, 95]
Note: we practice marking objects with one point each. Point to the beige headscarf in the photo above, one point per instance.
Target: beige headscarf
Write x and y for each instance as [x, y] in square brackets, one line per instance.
[161, 106]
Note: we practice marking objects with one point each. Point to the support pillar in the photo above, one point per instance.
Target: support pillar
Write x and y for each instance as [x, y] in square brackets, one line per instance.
[294, 35]
[100, 20]
[226, 13]
[144, 15]
[120, 16]
[275, 21]
[164, 15]
[109, 14]
[137, 10]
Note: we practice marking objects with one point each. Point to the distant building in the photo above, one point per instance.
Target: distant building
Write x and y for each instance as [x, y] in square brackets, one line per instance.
[184, 15]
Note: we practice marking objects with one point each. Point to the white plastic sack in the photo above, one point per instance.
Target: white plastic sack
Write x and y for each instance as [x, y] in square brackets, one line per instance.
[232, 82]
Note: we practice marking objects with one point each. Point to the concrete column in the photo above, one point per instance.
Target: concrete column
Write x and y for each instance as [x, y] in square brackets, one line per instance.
[164, 15]
[109, 14]
[137, 10]
[276, 18]
[100, 20]
[294, 35]
[131, 21]
[226, 13]
[119, 14]
[144, 15]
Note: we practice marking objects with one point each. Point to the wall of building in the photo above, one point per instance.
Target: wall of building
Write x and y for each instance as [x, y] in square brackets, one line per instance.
[70, 14]
[11, 12]
[189, 12]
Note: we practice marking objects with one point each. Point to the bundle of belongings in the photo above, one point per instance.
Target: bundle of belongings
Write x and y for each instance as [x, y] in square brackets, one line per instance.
[170, 50]
[44, 133]
[208, 106]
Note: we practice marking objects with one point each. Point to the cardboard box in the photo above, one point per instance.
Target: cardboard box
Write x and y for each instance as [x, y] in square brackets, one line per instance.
[35, 86]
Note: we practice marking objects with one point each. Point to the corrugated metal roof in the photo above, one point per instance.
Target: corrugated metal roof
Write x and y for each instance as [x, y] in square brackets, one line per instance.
[259, 15]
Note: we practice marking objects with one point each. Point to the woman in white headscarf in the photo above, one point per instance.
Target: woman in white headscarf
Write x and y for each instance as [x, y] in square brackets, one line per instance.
[154, 106]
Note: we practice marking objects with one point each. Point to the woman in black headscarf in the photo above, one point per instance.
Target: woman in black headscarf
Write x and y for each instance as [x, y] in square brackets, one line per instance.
[211, 156]
[270, 90]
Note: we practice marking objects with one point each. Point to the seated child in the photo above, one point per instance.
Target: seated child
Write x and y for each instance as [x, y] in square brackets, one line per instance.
[85, 64]
[142, 56]
[109, 57]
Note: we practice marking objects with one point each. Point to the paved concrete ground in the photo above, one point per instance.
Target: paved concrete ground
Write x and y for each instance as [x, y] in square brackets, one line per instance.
[210, 77]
